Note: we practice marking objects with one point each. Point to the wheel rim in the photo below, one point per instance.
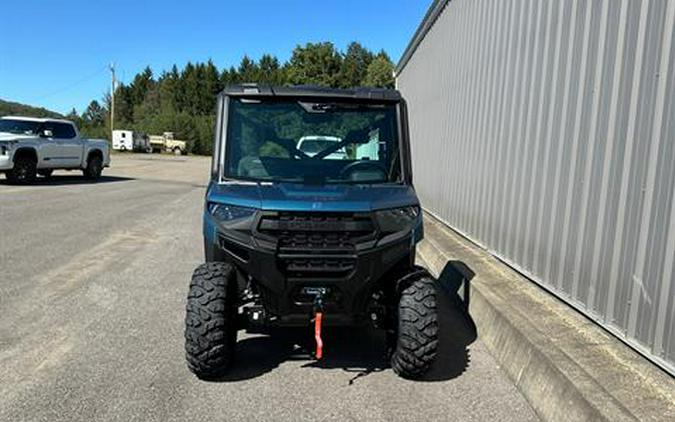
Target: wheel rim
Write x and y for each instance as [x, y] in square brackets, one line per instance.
[22, 171]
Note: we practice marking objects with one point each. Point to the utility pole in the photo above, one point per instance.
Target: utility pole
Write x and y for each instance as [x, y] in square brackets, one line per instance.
[112, 98]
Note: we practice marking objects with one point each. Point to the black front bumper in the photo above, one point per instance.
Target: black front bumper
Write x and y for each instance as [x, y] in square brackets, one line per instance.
[350, 277]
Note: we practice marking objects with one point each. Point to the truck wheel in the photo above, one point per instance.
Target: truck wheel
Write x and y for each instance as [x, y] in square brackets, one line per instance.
[94, 167]
[417, 336]
[46, 173]
[210, 320]
[177, 151]
[24, 170]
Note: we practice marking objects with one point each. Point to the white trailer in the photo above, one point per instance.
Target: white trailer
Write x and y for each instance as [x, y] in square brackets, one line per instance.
[128, 140]
[123, 140]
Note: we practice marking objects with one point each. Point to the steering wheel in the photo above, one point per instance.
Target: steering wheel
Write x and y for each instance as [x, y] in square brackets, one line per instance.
[350, 168]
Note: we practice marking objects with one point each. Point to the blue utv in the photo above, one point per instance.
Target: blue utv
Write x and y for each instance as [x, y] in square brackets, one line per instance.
[311, 220]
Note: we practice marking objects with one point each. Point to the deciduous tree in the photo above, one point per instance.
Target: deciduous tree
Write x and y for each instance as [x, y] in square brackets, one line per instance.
[380, 72]
[315, 64]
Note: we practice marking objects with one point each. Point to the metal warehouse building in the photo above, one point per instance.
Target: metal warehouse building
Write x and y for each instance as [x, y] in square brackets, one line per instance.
[544, 130]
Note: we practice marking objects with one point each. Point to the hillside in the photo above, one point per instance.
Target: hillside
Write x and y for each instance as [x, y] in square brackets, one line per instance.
[9, 108]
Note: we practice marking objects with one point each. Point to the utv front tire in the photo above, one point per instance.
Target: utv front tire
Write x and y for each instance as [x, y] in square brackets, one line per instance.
[417, 336]
[210, 320]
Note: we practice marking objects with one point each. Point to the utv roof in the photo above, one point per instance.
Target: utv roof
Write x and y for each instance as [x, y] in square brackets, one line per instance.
[257, 90]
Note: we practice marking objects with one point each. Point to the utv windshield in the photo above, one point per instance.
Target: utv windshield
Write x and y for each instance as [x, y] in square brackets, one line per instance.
[312, 142]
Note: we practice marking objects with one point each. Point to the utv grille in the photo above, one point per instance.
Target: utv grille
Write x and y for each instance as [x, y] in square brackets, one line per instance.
[319, 265]
[317, 244]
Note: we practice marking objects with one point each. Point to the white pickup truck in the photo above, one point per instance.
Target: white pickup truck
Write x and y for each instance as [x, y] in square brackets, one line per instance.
[35, 146]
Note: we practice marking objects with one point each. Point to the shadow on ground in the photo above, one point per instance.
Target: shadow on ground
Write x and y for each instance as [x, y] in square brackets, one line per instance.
[70, 179]
[458, 331]
[361, 351]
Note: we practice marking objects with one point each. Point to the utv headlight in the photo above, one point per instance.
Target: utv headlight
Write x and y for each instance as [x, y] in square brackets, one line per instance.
[228, 213]
[398, 219]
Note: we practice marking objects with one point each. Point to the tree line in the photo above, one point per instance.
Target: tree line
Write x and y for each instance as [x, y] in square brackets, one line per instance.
[183, 100]
[9, 108]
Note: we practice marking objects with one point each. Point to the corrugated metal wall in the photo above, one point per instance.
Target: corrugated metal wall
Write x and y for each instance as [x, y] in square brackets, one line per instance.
[544, 130]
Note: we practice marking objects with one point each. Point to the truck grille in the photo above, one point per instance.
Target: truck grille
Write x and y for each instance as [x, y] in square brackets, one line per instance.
[320, 245]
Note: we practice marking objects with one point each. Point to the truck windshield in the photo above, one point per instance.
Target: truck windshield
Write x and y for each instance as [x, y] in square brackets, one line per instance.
[312, 142]
[19, 127]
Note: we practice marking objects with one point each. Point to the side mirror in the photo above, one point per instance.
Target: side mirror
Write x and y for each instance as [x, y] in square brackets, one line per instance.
[46, 133]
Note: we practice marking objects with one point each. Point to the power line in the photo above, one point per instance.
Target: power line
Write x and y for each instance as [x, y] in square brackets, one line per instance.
[72, 85]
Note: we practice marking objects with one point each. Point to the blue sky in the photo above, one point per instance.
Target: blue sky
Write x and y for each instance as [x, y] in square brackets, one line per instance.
[55, 53]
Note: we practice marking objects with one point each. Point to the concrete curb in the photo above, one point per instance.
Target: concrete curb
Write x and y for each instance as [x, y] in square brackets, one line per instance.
[567, 368]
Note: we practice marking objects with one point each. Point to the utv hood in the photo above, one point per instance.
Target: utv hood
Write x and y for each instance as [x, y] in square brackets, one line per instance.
[300, 197]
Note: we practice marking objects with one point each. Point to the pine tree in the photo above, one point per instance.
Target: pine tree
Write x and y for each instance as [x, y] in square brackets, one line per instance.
[187, 89]
[212, 86]
[354, 66]
[142, 83]
[94, 115]
[270, 70]
[248, 70]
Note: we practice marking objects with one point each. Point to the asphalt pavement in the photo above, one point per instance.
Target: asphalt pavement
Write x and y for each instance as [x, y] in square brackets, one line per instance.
[93, 280]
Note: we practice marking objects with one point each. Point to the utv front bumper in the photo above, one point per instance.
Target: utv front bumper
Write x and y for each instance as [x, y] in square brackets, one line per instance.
[289, 255]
